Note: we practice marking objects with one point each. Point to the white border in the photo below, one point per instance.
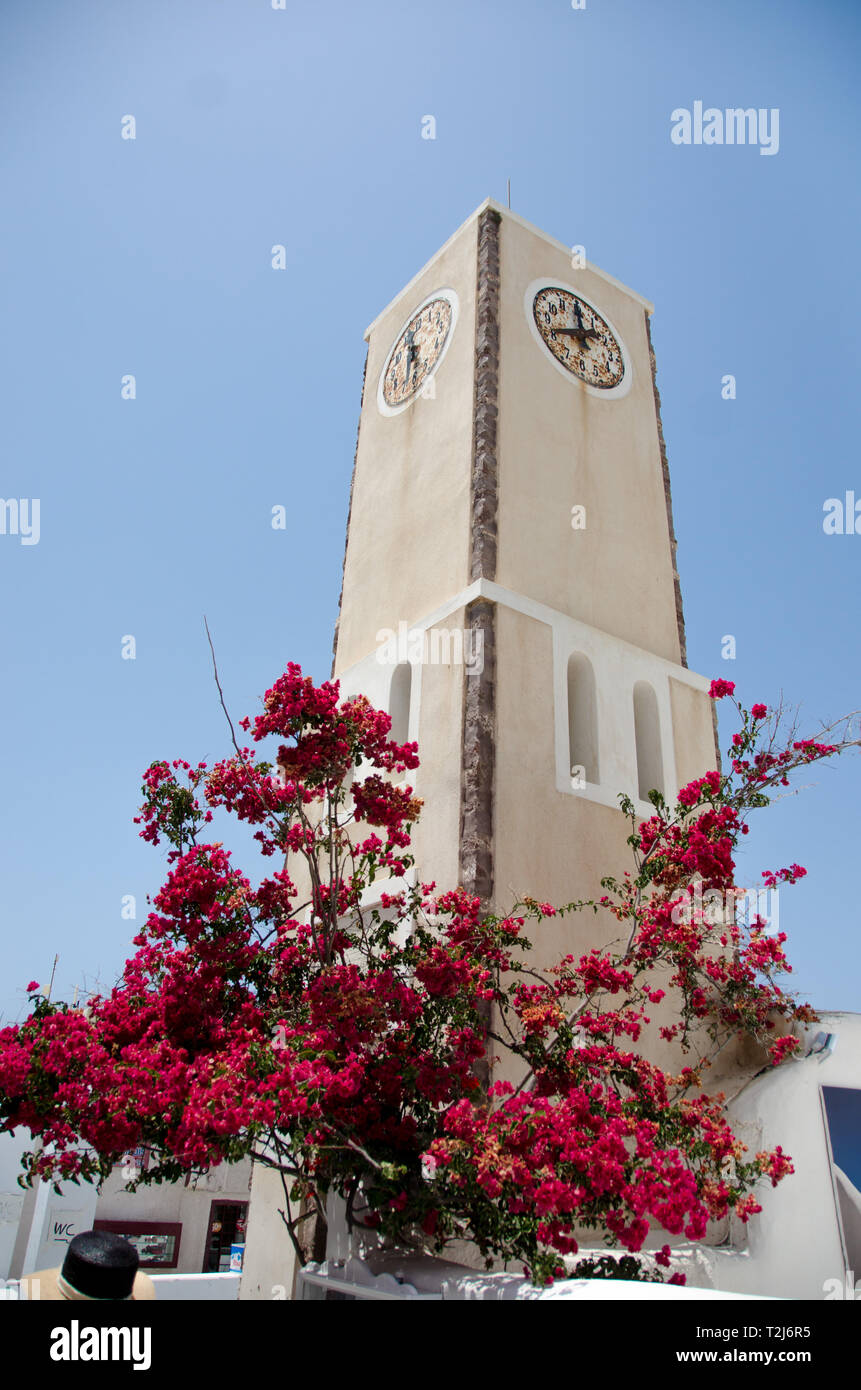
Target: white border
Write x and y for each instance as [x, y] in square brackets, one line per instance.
[606, 392]
[451, 297]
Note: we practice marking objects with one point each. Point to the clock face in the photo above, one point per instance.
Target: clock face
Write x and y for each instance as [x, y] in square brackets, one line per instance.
[417, 352]
[580, 340]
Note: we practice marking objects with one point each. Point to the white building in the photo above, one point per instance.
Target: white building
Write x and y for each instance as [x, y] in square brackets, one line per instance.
[177, 1228]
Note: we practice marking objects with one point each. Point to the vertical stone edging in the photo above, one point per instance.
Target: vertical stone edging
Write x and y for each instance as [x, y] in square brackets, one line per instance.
[665, 468]
[349, 512]
[477, 759]
[484, 482]
[477, 767]
[478, 753]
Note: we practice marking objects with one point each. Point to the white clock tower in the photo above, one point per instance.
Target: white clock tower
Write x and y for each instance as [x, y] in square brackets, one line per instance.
[510, 592]
[510, 596]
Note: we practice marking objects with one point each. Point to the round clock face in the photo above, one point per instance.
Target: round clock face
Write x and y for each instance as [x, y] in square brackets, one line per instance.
[417, 352]
[580, 339]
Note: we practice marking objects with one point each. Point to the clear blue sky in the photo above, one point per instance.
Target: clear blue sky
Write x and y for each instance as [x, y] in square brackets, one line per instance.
[258, 126]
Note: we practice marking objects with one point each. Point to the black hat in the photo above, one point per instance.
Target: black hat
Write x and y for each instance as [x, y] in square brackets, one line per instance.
[98, 1266]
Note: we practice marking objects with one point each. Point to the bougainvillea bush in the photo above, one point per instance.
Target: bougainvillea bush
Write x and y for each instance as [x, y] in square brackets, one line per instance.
[351, 1048]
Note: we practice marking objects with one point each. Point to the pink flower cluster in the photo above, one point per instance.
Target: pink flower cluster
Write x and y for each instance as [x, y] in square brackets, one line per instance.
[354, 1043]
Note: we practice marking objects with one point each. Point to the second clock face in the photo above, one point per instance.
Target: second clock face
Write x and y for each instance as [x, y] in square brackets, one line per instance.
[417, 351]
[582, 342]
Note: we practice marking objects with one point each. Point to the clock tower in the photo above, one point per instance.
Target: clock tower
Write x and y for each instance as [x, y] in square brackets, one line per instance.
[510, 593]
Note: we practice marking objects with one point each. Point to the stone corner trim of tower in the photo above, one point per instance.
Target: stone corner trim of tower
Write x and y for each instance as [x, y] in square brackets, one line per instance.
[477, 760]
[349, 516]
[665, 469]
[484, 480]
[478, 752]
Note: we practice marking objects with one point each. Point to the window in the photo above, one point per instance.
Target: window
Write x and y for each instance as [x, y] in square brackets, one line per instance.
[582, 720]
[157, 1242]
[399, 702]
[842, 1106]
[647, 734]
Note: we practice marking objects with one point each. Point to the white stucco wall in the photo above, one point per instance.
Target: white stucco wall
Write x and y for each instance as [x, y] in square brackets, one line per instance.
[270, 1264]
[36, 1224]
[191, 1206]
[12, 1197]
[793, 1248]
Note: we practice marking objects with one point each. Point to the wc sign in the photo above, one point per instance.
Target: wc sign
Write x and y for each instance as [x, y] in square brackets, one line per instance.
[63, 1223]
[64, 1229]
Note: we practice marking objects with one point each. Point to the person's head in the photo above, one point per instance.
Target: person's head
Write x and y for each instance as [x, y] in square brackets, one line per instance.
[99, 1267]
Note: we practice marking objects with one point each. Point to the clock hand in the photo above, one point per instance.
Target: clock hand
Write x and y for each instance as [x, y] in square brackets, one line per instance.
[582, 334]
[412, 356]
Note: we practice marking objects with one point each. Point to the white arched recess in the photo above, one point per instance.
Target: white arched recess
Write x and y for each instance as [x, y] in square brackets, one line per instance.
[394, 686]
[385, 683]
[617, 666]
[647, 738]
[582, 720]
[399, 702]
[618, 669]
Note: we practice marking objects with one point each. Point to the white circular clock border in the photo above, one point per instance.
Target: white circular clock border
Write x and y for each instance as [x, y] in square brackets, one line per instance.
[606, 393]
[451, 297]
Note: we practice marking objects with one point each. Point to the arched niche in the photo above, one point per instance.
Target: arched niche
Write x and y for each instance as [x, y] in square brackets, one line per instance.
[647, 734]
[400, 693]
[582, 718]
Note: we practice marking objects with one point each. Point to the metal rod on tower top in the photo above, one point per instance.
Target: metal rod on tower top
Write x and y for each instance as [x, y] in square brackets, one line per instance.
[53, 972]
[509, 193]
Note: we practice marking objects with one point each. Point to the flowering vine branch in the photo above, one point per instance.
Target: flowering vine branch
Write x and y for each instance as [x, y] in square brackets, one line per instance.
[338, 1043]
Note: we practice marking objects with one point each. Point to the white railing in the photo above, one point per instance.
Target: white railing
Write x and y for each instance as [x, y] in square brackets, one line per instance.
[221, 1288]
